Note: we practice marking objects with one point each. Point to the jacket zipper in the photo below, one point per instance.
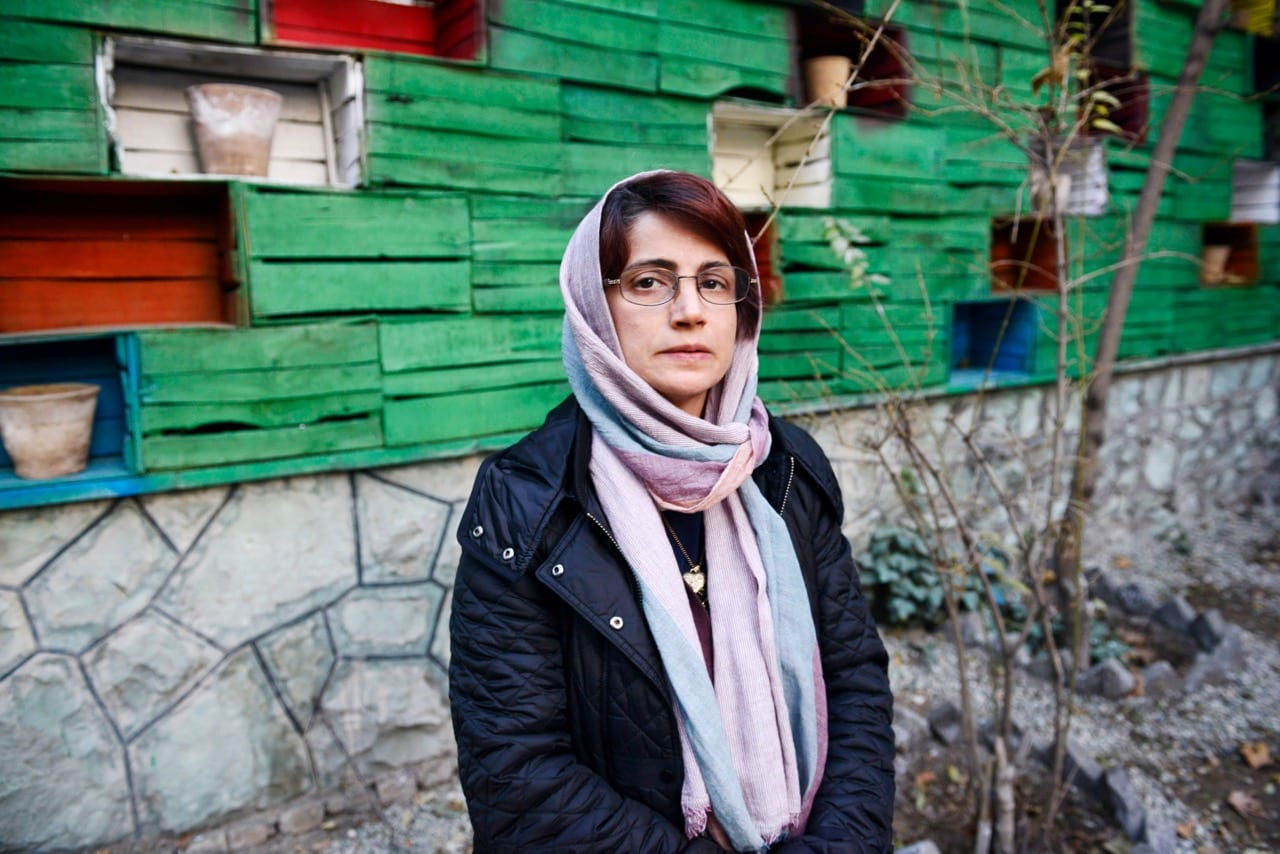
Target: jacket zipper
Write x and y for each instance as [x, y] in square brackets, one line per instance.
[631, 572]
[786, 493]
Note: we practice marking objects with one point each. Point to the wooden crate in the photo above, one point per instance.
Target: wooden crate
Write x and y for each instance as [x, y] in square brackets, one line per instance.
[109, 255]
[49, 109]
[218, 398]
[339, 253]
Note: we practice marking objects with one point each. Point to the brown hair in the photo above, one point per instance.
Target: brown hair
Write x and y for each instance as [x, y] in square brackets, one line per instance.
[693, 203]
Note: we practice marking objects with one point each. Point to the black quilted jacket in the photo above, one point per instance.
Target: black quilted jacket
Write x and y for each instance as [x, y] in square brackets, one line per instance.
[566, 735]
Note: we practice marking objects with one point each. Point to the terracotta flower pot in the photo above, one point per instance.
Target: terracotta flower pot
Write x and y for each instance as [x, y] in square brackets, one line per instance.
[46, 428]
[825, 78]
[234, 126]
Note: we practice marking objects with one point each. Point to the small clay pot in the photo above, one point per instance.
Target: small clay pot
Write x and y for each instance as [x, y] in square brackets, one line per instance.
[46, 428]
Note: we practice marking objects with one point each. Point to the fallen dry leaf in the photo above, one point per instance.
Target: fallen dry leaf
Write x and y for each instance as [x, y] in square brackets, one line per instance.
[925, 779]
[1121, 562]
[1186, 829]
[1244, 803]
[1255, 753]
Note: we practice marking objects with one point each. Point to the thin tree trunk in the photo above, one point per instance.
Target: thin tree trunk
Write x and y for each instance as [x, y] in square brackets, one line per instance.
[1084, 480]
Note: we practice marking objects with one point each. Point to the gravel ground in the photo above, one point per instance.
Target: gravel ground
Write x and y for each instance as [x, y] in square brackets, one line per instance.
[1182, 753]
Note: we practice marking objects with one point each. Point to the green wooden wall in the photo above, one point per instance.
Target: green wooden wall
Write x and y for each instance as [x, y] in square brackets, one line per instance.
[419, 314]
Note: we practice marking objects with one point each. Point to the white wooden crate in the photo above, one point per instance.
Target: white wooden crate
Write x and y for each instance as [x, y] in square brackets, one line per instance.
[1255, 191]
[318, 138]
[763, 156]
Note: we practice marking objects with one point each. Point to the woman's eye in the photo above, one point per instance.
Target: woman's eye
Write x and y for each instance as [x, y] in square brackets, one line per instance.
[646, 283]
[713, 283]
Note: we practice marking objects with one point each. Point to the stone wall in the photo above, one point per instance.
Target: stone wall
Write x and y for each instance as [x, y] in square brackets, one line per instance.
[184, 660]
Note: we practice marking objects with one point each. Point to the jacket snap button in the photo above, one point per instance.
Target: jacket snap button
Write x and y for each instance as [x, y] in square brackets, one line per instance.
[558, 569]
[615, 622]
[477, 532]
[508, 553]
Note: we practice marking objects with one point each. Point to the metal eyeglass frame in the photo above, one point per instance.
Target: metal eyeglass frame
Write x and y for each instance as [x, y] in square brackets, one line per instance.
[675, 289]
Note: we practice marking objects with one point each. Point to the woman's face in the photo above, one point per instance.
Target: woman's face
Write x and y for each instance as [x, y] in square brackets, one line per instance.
[681, 348]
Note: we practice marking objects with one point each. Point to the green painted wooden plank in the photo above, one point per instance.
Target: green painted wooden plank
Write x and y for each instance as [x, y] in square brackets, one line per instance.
[48, 86]
[801, 366]
[245, 386]
[683, 76]
[880, 147]
[591, 169]
[504, 240]
[439, 114]
[764, 52]
[259, 413]
[864, 317]
[1018, 25]
[45, 43]
[814, 256]
[593, 102]
[28, 124]
[453, 416]
[517, 51]
[454, 380]
[647, 8]
[610, 30]
[200, 350]
[817, 285]
[443, 171]
[812, 227]
[44, 156]
[729, 16]
[229, 20]
[449, 343]
[534, 155]
[287, 287]
[809, 318]
[567, 212]
[428, 81]
[213, 449]
[505, 300]
[503, 274]
[356, 225]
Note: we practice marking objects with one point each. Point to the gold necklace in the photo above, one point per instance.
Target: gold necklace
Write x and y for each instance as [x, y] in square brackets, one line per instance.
[694, 577]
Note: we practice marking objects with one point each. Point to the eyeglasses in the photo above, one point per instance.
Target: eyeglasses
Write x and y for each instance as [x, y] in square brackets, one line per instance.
[658, 286]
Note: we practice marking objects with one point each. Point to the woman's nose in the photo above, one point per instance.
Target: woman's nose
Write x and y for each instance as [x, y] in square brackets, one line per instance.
[688, 308]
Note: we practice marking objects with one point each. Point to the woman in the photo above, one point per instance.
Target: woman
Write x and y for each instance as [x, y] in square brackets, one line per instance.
[659, 642]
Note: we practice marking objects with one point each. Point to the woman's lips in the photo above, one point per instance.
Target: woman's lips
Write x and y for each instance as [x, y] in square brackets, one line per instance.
[687, 350]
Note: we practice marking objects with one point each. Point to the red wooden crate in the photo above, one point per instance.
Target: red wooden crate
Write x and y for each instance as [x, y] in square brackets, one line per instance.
[356, 24]
[78, 255]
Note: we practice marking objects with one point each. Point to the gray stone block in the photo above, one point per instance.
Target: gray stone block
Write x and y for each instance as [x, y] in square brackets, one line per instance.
[945, 722]
[1176, 614]
[1208, 629]
[1134, 598]
[53, 740]
[249, 834]
[16, 640]
[1079, 768]
[1124, 803]
[299, 658]
[145, 667]
[32, 537]
[226, 748]
[1108, 678]
[1159, 679]
[388, 713]
[400, 531]
[909, 728]
[396, 788]
[971, 627]
[1042, 666]
[210, 842]
[102, 580]
[301, 817]
[987, 731]
[1158, 834]
[300, 528]
[395, 620]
